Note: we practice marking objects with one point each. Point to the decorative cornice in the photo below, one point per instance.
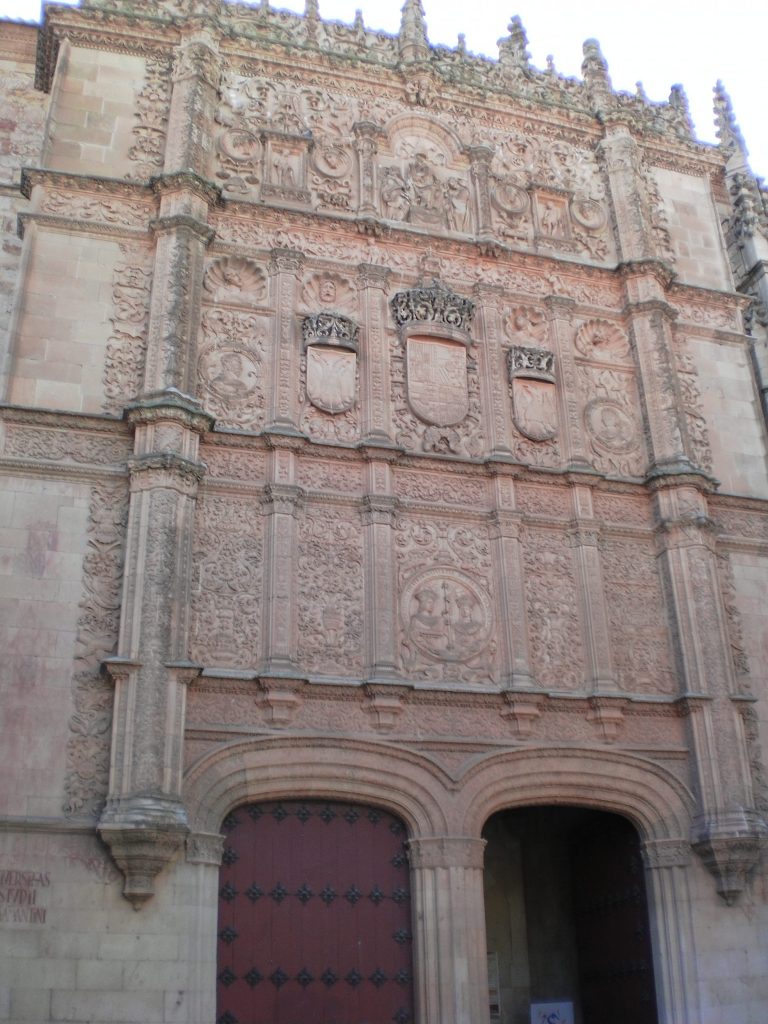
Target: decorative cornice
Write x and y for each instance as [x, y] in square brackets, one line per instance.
[187, 181]
[183, 222]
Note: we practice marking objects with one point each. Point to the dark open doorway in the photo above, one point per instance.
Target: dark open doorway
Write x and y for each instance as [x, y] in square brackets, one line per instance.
[567, 918]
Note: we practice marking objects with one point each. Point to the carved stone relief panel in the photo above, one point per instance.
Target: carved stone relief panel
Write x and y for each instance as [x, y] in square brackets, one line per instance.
[88, 746]
[329, 377]
[329, 291]
[151, 116]
[640, 643]
[330, 592]
[423, 179]
[446, 607]
[610, 401]
[549, 194]
[235, 281]
[282, 142]
[695, 420]
[231, 368]
[227, 582]
[553, 615]
[127, 344]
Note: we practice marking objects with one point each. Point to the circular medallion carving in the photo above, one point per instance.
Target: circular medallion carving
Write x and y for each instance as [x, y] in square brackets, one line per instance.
[332, 159]
[588, 213]
[510, 199]
[611, 426]
[231, 373]
[240, 146]
[446, 615]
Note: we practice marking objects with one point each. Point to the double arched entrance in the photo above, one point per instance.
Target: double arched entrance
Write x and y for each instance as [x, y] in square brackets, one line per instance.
[458, 830]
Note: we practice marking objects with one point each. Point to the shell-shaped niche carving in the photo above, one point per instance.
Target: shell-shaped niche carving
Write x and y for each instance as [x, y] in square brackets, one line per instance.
[329, 291]
[234, 280]
[602, 340]
[524, 324]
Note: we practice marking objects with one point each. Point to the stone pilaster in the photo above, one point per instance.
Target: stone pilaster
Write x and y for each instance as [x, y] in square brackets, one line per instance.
[495, 376]
[283, 411]
[506, 526]
[367, 137]
[284, 504]
[728, 832]
[448, 904]
[584, 534]
[196, 74]
[672, 938]
[144, 821]
[622, 161]
[380, 571]
[560, 312]
[480, 163]
[375, 376]
[182, 235]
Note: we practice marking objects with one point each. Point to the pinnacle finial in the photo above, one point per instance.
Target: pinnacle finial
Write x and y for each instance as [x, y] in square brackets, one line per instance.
[414, 45]
[311, 9]
[728, 130]
[513, 49]
[594, 62]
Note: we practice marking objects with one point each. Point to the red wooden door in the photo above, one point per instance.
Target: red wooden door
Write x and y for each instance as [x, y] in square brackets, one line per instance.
[611, 916]
[314, 916]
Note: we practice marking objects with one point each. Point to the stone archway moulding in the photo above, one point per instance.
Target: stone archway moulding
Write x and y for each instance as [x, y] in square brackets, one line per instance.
[430, 801]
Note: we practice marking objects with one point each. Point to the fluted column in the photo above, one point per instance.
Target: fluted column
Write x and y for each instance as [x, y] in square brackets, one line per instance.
[284, 505]
[480, 162]
[375, 403]
[283, 413]
[728, 831]
[450, 966]
[667, 864]
[367, 135]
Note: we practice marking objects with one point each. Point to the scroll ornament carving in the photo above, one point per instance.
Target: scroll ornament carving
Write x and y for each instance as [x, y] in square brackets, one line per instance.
[88, 746]
[235, 281]
[695, 421]
[640, 647]
[553, 618]
[733, 617]
[148, 150]
[127, 344]
[227, 583]
[230, 367]
[66, 445]
[330, 592]
[102, 209]
[446, 612]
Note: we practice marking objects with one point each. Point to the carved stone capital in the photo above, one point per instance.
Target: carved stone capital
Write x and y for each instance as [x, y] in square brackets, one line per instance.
[522, 710]
[730, 846]
[186, 181]
[607, 715]
[446, 852]
[280, 698]
[165, 470]
[378, 509]
[183, 222]
[560, 307]
[371, 275]
[506, 524]
[205, 848]
[172, 405]
[480, 156]
[385, 705]
[286, 499]
[286, 261]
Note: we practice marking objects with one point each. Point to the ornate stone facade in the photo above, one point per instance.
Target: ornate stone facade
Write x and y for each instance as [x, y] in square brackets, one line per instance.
[368, 434]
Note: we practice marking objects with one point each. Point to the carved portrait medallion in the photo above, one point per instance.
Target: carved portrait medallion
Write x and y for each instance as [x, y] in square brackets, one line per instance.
[332, 159]
[331, 376]
[231, 374]
[611, 426]
[240, 145]
[437, 380]
[447, 615]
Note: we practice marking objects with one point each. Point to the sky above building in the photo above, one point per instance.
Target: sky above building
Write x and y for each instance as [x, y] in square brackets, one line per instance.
[658, 42]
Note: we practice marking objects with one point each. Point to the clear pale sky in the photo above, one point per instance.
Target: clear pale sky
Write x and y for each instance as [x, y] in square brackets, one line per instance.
[660, 42]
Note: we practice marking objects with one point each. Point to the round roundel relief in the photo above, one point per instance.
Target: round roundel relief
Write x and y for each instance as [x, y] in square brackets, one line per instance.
[446, 615]
[611, 426]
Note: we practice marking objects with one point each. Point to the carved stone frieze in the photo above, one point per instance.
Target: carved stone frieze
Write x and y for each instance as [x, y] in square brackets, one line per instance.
[330, 571]
[127, 344]
[88, 745]
[553, 614]
[227, 582]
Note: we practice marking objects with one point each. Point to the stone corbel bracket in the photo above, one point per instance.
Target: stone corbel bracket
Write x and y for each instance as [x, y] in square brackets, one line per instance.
[730, 846]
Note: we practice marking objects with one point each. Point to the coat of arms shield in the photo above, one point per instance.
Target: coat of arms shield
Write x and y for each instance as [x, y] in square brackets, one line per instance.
[437, 380]
[534, 397]
[331, 376]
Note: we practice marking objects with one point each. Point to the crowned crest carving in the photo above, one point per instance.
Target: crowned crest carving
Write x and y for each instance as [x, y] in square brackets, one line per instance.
[434, 304]
[331, 344]
[532, 384]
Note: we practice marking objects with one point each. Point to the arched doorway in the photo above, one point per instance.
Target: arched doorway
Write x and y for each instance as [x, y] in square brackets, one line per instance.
[314, 916]
[567, 919]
